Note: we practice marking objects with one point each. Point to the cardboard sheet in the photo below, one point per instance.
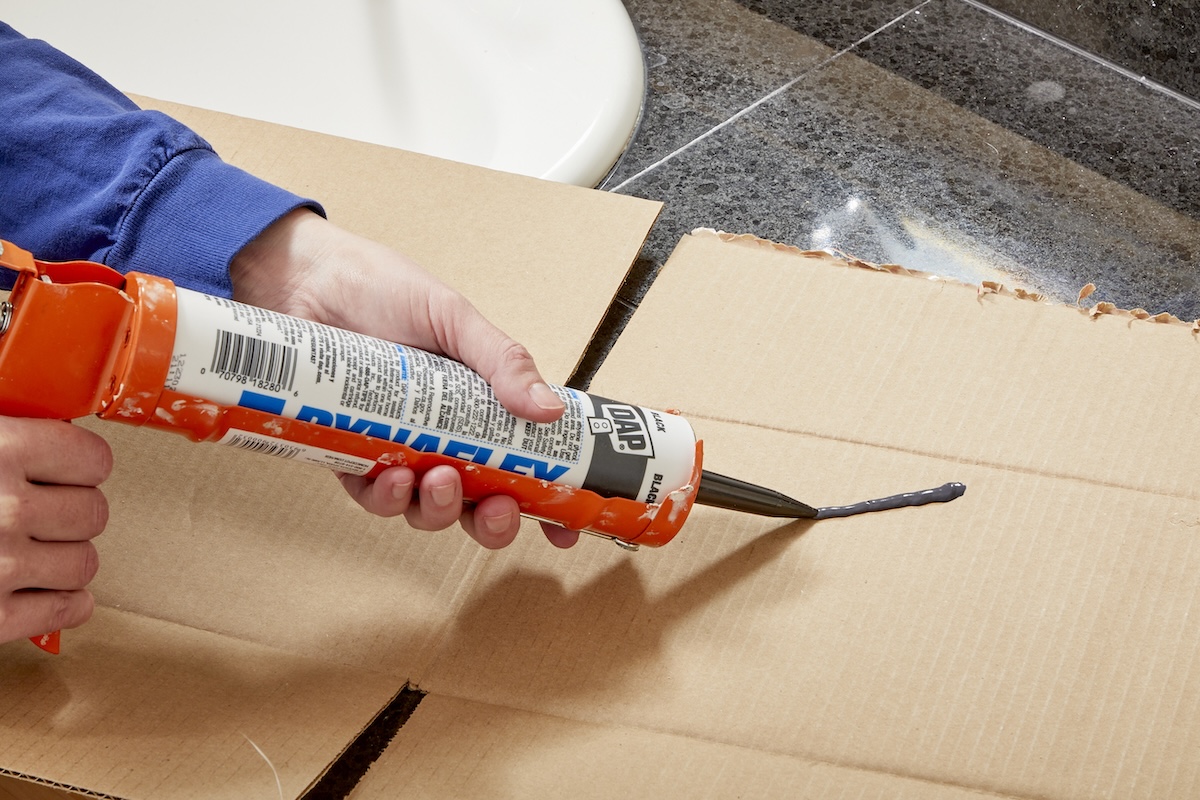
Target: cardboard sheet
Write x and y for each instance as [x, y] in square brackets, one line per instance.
[1036, 638]
[136, 707]
[248, 598]
[521, 754]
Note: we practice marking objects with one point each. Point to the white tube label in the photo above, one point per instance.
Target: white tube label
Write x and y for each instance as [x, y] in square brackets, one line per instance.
[239, 355]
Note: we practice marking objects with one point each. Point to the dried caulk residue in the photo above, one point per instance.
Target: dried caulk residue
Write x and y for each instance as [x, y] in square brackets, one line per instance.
[131, 406]
[681, 502]
[196, 404]
[155, 293]
[942, 494]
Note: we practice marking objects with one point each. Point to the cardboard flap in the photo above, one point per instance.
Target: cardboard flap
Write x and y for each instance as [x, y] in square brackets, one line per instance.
[140, 708]
[1034, 638]
[276, 552]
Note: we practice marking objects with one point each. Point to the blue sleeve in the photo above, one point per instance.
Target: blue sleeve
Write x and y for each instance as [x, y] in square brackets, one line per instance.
[86, 174]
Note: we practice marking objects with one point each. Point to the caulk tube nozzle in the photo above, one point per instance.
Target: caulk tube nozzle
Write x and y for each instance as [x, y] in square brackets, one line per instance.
[724, 492]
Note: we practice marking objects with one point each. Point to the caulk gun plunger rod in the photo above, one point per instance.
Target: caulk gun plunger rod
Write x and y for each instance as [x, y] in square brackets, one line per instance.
[723, 492]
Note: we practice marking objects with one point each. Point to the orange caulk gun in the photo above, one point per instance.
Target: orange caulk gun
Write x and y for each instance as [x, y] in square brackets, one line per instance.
[79, 338]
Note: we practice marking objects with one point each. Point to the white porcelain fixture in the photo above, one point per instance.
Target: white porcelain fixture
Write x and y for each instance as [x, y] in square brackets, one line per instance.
[548, 88]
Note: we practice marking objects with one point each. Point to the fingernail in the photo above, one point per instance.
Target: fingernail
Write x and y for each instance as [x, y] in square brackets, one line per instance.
[442, 495]
[545, 398]
[402, 491]
[498, 523]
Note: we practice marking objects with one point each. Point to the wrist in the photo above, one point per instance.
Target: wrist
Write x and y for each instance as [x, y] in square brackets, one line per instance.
[267, 270]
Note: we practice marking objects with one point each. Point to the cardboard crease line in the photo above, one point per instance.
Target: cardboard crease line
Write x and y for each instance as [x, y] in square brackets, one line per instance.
[943, 457]
[233, 636]
[810, 759]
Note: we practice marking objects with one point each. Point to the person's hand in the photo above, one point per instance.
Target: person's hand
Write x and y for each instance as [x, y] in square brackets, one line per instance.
[50, 510]
[306, 266]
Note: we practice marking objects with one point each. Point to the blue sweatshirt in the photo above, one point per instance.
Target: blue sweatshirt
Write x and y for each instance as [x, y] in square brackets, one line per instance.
[86, 174]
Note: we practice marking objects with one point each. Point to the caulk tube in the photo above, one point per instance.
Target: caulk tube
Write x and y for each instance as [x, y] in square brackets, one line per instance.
[410, 402]
[241, 355]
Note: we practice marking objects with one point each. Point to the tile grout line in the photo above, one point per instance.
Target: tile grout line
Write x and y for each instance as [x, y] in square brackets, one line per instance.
[764, 99]
[1079, 51]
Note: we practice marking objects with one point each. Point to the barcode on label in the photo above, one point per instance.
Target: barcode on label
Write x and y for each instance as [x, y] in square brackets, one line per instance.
[307, 454]
[262, 444]
[269, 365]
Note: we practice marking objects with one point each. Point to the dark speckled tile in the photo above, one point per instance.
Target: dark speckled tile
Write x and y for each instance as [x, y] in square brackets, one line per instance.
[1156, 38]
[705, 61]
[1094, 116]
[903, 160]
[838, 23]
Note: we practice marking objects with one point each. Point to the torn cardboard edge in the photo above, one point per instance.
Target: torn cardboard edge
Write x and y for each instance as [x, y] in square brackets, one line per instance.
[944, 317]
[837, 257]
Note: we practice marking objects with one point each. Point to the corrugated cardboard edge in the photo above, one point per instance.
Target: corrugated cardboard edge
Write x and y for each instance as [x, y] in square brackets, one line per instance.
[16, 786]
[838, 258]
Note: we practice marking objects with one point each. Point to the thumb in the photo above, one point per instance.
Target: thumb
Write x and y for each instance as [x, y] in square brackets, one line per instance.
[510, 370]
[519, 386]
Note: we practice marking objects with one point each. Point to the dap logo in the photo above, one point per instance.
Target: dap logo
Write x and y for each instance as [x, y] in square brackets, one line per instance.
[625, 428]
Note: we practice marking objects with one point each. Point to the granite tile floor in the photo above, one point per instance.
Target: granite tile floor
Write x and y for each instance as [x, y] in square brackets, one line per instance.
[937, 134]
